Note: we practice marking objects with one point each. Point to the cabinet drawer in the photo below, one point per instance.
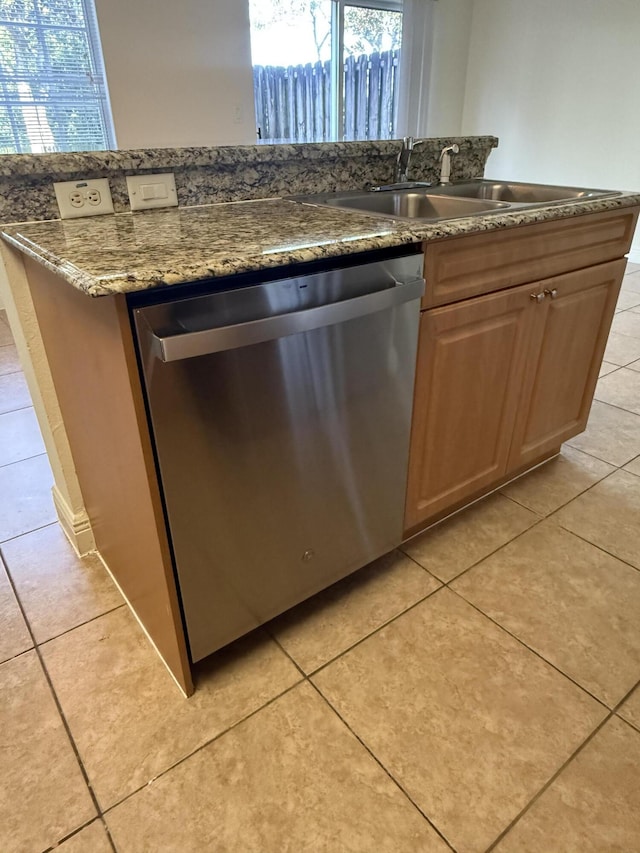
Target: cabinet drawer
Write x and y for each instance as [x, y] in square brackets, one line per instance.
[482, 263]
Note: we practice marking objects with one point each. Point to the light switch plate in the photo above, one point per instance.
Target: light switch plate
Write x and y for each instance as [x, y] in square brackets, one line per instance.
[83, 198]
[152, 191]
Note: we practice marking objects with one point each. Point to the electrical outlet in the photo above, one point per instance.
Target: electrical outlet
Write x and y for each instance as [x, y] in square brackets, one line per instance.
[152, 191]
[83, 198]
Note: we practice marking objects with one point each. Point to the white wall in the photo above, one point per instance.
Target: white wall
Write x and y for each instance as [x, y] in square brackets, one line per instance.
[558, 82]
[451, 34]
[179, 71]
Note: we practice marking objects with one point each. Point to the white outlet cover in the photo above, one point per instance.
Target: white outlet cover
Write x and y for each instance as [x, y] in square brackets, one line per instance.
[152, 191]
[96, 189]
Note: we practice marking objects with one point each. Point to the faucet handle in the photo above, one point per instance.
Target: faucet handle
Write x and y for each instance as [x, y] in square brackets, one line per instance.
[410, 142]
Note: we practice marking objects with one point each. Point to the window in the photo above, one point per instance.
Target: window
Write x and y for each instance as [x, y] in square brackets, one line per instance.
[52, 85]
[326, 69]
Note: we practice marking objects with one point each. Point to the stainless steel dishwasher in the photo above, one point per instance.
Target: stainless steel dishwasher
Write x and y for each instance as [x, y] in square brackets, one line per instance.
[280, 414]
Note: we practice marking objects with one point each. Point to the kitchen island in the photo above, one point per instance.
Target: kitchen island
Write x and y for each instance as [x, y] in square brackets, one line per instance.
[129, 259]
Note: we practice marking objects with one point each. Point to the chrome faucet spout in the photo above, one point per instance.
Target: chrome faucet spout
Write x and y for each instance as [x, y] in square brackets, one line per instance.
[445, 158]
[404, 158]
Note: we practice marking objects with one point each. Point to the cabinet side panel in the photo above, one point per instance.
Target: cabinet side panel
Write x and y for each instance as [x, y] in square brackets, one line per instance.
[92, 359]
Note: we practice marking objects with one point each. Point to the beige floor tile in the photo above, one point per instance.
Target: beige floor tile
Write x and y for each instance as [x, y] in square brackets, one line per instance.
[20, 436]
[126, 715]
[631, 282]
[290, 779]
[606, 368]
[9, 361]
[6, 338]
[14, 393]
[612, 434]
[91, 839]
[621, 389]
[460, 541]
[329, 623]
[626, 323]
[465, 718]
[569, 601]
[630, 711]
[14, 634]
[593, 805]
[608, 515]
[25, 494]
[57, 589]
[43, 796]
[635, 365]
[631, 268]
[633, 466]
[621, 349]
[627, 299]
[558, 481]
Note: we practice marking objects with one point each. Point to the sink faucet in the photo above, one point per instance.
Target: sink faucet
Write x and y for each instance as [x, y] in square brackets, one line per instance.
[404, 158]
[445, 157]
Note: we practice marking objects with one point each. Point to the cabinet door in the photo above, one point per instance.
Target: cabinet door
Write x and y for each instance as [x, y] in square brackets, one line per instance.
[471, 359]
[570, 336]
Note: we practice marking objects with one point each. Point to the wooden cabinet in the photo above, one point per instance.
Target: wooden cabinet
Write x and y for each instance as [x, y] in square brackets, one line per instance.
[568, 342]
[471, 362]
[505, 377]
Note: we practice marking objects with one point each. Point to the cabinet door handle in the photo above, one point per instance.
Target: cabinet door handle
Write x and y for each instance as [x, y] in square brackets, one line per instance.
[552, 293]
[537, 297]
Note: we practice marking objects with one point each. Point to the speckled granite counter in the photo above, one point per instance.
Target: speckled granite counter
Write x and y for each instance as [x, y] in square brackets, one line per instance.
[129, 252]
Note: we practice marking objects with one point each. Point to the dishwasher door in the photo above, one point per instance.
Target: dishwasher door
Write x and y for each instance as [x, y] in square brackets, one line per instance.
[281, 417]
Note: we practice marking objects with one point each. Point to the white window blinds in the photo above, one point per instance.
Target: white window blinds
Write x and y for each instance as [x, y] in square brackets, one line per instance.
[52, 88]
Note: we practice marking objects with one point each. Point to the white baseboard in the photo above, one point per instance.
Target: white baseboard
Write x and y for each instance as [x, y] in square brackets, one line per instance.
[634, 256]
[76, 525]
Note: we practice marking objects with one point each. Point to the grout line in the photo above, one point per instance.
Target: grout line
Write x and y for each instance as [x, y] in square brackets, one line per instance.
[26, 459]
[18, 655]
[78, 830]
[376, 631]
[614, 405]
[578, 494]
[57, 702]
[533, 651]
[538, 521]
[599, 547]
[202, 746]
[553, 778]
[26, 533]
[18, 461]
[19, 409]
[383, 768]
[634, 726]
[81, 624]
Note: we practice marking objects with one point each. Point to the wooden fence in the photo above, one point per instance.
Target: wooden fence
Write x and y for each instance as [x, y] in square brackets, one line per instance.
[294, 103]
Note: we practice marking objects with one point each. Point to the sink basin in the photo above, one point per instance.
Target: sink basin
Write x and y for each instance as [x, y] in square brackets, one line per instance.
[451, 201]
[407, 204]
[517, 193]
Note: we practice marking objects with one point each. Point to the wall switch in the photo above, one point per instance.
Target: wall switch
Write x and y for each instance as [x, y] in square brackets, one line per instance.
[83, 198]
[152, 191]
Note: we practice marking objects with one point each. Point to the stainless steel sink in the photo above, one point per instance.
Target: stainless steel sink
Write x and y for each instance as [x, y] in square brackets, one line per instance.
[450, 201]
[515, 192]
[407, 204]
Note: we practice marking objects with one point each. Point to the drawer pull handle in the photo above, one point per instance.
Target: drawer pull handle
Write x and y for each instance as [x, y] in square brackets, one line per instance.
[552, 293]
[537, 297]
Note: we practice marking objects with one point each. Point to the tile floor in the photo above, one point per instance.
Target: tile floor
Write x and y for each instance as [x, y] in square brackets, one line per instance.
[477, 692]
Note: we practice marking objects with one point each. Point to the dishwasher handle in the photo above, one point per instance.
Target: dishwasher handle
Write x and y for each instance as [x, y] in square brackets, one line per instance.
[189, 344]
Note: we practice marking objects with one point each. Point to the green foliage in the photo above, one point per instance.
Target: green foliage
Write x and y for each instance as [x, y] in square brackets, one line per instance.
[365, 30]
[46, 76]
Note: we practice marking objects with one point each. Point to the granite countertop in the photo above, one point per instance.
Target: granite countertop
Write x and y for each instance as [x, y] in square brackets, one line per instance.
[128, 252]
